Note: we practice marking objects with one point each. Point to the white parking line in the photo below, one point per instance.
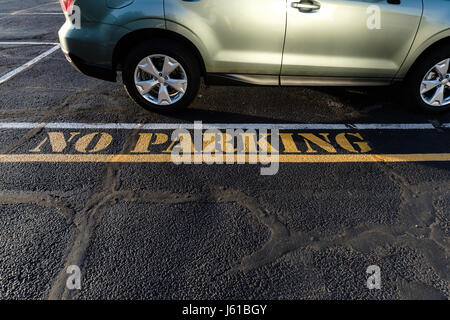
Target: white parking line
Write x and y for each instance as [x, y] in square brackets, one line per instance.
[28, 65]
[35, 7]
[5, 15]
[256, 126]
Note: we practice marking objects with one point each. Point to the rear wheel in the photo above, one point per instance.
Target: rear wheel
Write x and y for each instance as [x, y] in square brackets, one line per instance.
[429, 83]
[161, 76]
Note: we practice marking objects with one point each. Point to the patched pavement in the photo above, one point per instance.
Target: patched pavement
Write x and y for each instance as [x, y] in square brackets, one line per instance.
[87, 179]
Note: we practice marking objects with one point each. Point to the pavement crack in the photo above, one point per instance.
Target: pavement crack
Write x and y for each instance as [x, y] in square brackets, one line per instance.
[281, 240]
[51, 111]
[415, 211]
[40, 199]
[418, 221]
[88, 219]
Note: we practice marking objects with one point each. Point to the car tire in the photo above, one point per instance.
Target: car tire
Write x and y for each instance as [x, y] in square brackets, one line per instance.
[157, 50]
[415, 89]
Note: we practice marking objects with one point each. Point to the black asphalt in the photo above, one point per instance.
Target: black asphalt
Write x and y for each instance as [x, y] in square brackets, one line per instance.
[162, 231]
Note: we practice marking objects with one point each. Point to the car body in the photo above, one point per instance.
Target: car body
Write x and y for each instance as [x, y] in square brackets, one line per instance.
[268, 42]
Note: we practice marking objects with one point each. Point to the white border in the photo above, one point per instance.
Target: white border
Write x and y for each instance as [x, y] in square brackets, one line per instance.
[190, 126]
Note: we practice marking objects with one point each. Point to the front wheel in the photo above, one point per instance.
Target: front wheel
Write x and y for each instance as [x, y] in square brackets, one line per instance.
[429, 83]
[161, 76]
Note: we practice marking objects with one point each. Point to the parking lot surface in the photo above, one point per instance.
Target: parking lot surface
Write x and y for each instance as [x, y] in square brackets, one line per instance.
[87, 180]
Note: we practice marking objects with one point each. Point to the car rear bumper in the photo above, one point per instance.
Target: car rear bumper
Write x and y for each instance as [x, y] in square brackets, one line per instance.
[90, 48]
[90, 70]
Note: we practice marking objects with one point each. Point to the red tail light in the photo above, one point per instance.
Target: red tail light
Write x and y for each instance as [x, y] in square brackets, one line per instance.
[66, 5]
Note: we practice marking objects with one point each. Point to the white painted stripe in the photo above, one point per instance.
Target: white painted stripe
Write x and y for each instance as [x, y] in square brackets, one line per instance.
[256, 126]
[396, 126]
[28, 43]
[280, 126]
[28, 65]
[35, 7]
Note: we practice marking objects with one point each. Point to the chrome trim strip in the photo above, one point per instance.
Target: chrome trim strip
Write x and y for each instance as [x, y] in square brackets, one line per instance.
[271, 80]
[332, 81]
[260, 80]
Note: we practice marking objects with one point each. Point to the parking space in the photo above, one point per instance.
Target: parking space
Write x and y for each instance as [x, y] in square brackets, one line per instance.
[87, 179]
[28, 6]
[18, 26]
[14, 56]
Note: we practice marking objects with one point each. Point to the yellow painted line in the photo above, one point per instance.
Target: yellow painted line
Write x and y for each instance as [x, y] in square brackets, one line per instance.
[419, 157]
[167, 158]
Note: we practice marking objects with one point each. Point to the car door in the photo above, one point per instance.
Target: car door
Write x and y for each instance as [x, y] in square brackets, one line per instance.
[233, 36]
[347, 38]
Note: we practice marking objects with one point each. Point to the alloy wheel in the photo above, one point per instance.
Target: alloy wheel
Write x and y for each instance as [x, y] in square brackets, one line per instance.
[160, 79]
[435, 86]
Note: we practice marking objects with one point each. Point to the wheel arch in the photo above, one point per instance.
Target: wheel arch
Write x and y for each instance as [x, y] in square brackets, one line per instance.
[136, 37]
[424, 51]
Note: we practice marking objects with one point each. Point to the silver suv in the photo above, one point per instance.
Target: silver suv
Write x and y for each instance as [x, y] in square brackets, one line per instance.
[165, 47]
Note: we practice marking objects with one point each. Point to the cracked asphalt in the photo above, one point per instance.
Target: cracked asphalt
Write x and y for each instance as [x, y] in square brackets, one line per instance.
[161, 231]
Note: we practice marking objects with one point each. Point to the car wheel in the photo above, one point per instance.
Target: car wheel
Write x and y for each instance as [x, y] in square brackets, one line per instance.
[161, 76]
[429, 83]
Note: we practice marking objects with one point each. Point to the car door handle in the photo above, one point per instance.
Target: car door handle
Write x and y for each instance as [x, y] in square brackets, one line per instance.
[306, 5]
